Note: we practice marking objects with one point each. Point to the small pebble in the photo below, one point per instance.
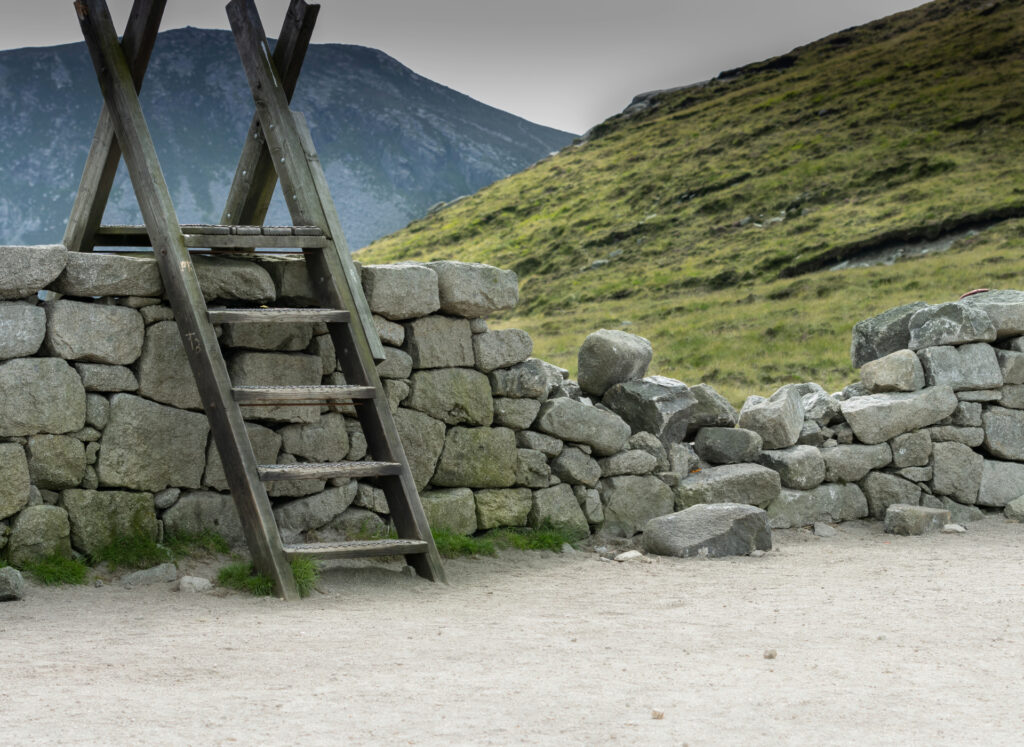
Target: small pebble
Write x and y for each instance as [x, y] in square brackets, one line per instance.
[821, 529]
[770, 653]
[953, 529]
[629, 555]
[657, 715]
[757, 554]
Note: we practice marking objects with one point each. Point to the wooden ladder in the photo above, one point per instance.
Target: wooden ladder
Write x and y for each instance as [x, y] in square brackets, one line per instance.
[279, 146]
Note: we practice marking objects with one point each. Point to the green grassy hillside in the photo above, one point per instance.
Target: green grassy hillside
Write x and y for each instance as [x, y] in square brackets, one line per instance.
[713, 213]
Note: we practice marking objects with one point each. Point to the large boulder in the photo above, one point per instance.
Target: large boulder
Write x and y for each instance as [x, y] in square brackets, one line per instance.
[503, 508]
[91, 274]
[851, 462]
[569, 420]
[200, 510]
[610, 356]
[656, 404]
[827, 502]
[879, 417]
[147, 446]
[972, 366]
[439, 342]
[15, 482]
[778, 419]
[558, 508]
[401, 291]
[56, 462]
[751, 484]
[956, 471]
[94, 332]
[423, 440]
[40, 395]
[727, 445]
[165, 374]
[100, 517]
[277, 369]
[39, 532]
[900, 371]
[477, 458]
[452, 510]
[25, 270]
[631, 501]
[799, 467]
[718, 530]
[883, 334]
[501, 348]
[474, 290]
[458, 396]
[1001, 482]
[1004, 433]
[883, 490]
[914, 520]
[949, 324]
[22, 329]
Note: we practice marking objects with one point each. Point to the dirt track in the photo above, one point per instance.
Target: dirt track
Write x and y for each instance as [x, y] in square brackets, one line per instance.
[879, 640]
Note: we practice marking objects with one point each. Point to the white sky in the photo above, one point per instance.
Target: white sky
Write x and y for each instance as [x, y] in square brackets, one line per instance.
[563, 63]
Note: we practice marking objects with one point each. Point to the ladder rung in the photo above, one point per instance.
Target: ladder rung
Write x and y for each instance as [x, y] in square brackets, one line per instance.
[326, 470]
[355, 549]
[305, 395]
[221, 237]
[232, 316]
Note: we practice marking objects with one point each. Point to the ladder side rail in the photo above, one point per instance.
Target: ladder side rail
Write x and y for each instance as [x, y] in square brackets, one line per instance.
[104, 154]
[255, 178]
[182, 287]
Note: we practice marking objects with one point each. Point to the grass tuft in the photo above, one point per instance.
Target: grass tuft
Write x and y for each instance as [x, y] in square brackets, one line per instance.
[452, 545]
[243, 577]
[57, 570]
[307, 573]
[134, 551]
[182, 544]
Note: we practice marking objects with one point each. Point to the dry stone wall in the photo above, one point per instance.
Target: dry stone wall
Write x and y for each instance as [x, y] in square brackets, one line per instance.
[102, 432]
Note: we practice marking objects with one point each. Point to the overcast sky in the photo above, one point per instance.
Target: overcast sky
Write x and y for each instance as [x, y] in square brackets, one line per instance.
[563, 63]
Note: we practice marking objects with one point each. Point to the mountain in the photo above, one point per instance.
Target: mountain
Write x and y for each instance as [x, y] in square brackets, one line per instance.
[707, 217]
[392, 142]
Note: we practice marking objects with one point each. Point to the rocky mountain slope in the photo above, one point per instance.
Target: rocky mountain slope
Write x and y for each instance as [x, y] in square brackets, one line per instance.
[392, 142]
[707, 218]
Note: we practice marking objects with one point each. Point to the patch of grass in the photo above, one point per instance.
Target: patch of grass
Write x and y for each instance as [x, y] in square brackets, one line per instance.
[307, 573]
[134, 551]
[451, 545]
[58, 570]
[182, 544]
[242, 576]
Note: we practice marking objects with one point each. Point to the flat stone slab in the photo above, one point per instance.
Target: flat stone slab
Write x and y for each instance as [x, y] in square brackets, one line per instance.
[470, 289]
[25, 270]
[828, 502]
[954, 323]
[90, 274]
[851, 462]
[717, 530]
[604, 431]
[914, 520]
[750, 484]
[880, 417]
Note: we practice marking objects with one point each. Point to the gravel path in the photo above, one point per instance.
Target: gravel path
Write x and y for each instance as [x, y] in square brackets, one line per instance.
[879, 640]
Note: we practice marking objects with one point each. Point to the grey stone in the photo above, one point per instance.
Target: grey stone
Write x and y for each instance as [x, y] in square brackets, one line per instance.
[503, 508]
[956, 471]
[323, 441]
[652, 445]
[147, 446]
[475, 290]
[1004, 433]
[56, 462]
[313, 512]
[90, 274]
[357, 446]
[401, 291]
[517, 414]
[812, 434]
[455, 395]
[367, 496]
[914, 520]
[501, 348]
[911, 450]
[37, 533]
[24, 270]
[357, 524]
[958, 512]
[821, 529]
[14, 479]
[277, 369]
[820, 408]
[291, 337]
[164, 371]
[900, 371]
[972, 437]
[589, 500]
[323, 346]
[478, 326]
[390, 333]
[439, 342]
[851, 463]
[100, 517]
[194, 584]
[656, 404]
[396, 391]
[915, 474]
[799, 467]
[532, 469]
[1001, 482]
[97, 410]
[1012, 397]
[609, 357]
[290, 279]
[22, 329]
[541, 442]
[527, 380]
[632, 462]
[980, 395]
[477, 458]
[92, 451]
[1004, 307]
[732, 483]
[778, 419]
[201, 510]
[423, 439]
[1014, 510]
[97, 377]
[265, 443]
[727, 445]
[154, 314]
[1011, 365]
[87, 435]
[880, 417]
[828, 502]
[40, 395]
[164, 573]
[233, 280]
[605, 432]
[567, 388]
[966, 367]
[683, 459]
[949, 324]
[710, 410]
[452, 510]
[90, 481]
[93, 332]
[558, 508]
[12, 585]
[882, 490]
[575, 467]
[166, 498]
[630, 501]
[397, 365]
[882, 334]
[293, 488]
[712, 531]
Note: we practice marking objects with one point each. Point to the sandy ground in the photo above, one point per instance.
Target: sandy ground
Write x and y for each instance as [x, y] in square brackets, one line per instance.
[879, 640]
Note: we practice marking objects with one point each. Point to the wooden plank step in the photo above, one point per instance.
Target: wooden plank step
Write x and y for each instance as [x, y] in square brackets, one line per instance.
[355, 549]
[221, 237]
[300, 395]
[234, 316]
[326, 470]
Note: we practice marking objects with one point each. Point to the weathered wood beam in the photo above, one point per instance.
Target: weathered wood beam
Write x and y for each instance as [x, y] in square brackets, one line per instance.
[104, 155]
